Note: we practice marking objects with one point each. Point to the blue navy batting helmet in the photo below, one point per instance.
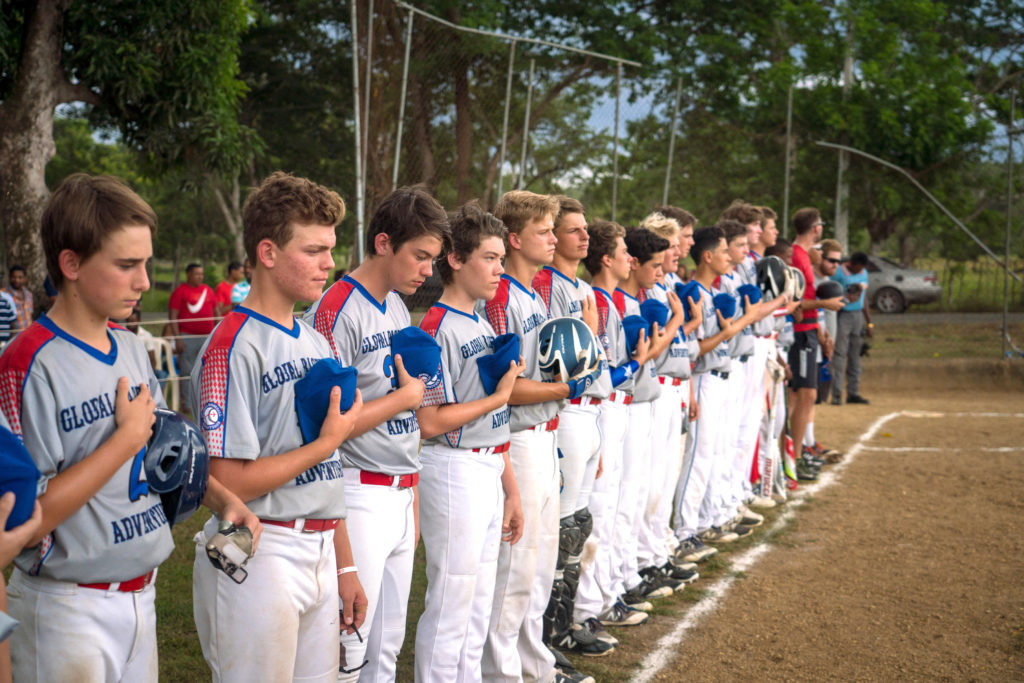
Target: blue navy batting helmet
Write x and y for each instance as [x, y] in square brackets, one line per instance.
[567, 348]
[177, 465]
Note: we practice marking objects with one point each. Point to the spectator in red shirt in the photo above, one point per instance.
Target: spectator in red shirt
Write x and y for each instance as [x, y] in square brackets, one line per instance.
[223, 291]
[803, 354]
[191, 311]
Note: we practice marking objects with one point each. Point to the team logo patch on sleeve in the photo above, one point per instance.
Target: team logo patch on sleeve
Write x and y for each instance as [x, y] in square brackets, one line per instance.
[212, 416]
[430, 381]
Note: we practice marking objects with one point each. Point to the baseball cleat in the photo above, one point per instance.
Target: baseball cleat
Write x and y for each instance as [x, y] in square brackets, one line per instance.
[600, 632]
[748, 517]
[717, 535]
[809, 457]
[565, 672]
[741, 530]
[692, 549]
[857, 398]
[684, 576]
[761, 502]
[805, 472]
[779, 498]
[636, 599]
[657, 582]
[621, 614]
[580, 640]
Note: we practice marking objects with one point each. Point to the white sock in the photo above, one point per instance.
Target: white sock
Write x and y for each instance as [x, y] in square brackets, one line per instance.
[809, 439]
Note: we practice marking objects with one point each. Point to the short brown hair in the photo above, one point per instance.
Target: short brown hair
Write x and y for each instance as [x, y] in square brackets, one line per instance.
[470, 226]
[732, 229]
[566, 205]
[661, 225]
[742, 212]
[271, 210]
[681, 216]
[805, 219]
[767, 214]
[830, 245]
[518, 207]
[405, 214]
[83, 211]
[603, 239]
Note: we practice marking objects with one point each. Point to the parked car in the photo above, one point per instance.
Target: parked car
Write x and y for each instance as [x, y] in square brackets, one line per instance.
[891, 287]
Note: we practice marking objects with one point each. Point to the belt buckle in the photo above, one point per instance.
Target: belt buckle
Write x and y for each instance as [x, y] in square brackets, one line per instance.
[396, 481]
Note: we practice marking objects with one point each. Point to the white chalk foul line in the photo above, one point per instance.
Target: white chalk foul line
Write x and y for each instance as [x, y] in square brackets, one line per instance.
[934, 449]
[667, 647]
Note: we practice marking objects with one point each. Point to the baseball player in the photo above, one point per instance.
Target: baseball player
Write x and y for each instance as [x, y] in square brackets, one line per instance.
[657, 543]
[84, 591]
[358, 315]
[515, 649]
[598, 602]
[244, 395]
[641, 583]
[578, 437]
[469, 501]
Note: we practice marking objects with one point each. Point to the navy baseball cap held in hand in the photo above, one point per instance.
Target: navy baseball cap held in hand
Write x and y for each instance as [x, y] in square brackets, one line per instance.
[686, 291]
[494, 365]
[313, 394]
[752, 292]
[19, 474]
[725, 304]
[653, 311]
[420, 354]
[631, 326]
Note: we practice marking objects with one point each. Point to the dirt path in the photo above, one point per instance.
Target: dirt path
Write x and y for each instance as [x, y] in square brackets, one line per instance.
[911, 566]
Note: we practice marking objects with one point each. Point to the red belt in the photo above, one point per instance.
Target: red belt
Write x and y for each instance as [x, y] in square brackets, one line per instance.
[400, 481]
[549, 426]
[503, 448]
[308, 525]
[585, 401]
[129, 586]
[675, 380]
[621, 397]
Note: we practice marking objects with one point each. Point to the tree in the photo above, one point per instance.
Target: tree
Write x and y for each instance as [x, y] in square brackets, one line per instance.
[161, 73]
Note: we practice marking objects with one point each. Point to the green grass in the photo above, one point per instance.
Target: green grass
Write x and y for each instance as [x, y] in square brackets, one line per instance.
[948, 340]
[972, 285]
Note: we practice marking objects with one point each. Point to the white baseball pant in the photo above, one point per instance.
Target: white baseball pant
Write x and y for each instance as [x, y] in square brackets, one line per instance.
[709, 437]
[599, 576]
[751, 410]
[666, 462]
[382, 533]
[633, 488]
[514, 650]
[71, 633]
[716, 509]
[579, 447]
[461, 509]
[282, 623]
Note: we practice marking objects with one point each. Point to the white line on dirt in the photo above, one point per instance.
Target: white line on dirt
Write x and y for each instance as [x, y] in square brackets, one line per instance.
[932, 449]
[668, 646]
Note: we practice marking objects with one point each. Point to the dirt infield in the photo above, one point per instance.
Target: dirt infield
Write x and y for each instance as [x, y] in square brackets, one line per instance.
[910, 566]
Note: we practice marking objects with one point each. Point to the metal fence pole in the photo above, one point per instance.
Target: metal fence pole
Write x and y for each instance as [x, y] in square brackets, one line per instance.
[401, 106]
[1009, 220]
[615, 156]
[358, 132]
[672, 140]
[504, 125]
[369, 76]
[789, 147]
[526, 130]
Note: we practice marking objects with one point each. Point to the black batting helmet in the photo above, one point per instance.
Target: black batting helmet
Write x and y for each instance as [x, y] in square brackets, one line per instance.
[771, 276]
[829, 289]
[177, 465]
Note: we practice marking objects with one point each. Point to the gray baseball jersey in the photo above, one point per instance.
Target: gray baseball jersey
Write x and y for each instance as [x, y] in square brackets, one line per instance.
[359, 329]
[611, 336]
[244, 394]
[743, 343]
[58, 394]
[718, 357]
[516, 309]
[675, 360]
[463, 339]
[645, 384]
[563, 297]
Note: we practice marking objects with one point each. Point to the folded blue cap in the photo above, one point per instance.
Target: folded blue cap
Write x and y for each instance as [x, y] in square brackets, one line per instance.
[494, 365]
[753, 292]
[18, 473]
[686, 291]
[420, 354]
[631, 326]
[313, 394]
[653, 311]
[726, 304]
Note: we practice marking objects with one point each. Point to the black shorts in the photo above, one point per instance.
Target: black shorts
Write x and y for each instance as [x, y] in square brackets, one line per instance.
[803, 360]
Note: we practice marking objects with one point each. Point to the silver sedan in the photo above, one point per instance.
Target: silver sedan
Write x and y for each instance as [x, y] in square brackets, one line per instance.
[891, 287]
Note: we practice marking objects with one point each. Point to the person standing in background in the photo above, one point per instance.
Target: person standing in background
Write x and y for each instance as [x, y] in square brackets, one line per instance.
[241, 289]
[854, 321]
[224, 304]
[20, 294]
[191, 312]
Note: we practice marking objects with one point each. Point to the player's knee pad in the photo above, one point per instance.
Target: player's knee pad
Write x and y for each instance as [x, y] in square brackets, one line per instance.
[585, 523]
[568, 539]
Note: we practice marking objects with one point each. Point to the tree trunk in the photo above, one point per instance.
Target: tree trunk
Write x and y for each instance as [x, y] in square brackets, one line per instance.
[26, 137]
[421, 132]
[231, 210]
[463, 124]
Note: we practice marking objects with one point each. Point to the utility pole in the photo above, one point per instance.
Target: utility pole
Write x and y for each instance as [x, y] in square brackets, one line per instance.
[842, 183]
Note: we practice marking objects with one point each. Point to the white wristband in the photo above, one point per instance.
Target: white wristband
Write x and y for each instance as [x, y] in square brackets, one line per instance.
[347, 570]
